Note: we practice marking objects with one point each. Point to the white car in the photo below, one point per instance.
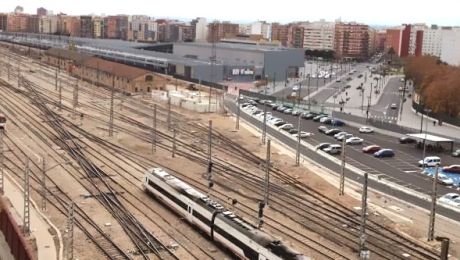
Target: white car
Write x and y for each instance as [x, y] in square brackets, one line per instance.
[393, 106]
[443, 179]
[344, 136]
[285, 127]
[450, 199]
[339, 134]
[288, 111]
[295, 88]
[354, 140]
[303, 134]
[274, 120]
[366, 129]
[324, 119]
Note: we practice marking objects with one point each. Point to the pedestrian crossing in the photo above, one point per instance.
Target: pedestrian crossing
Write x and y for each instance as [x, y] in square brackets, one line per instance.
[384, 118]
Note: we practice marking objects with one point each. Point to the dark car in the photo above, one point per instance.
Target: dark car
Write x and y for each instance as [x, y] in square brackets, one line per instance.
[327, 121]
[407, 140]
[275, 107]
[456, 153]
[333, 131]
[280, 123]
[452, 168]
[371, 149]
[323, 129]
[322, 146]
[384, 153]
[337, 122]
[309, 116]
[293, 131]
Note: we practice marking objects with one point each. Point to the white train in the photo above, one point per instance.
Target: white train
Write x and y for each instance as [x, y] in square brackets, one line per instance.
[239, 236]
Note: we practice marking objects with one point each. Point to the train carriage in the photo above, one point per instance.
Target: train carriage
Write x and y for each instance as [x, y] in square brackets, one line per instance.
[222, 225]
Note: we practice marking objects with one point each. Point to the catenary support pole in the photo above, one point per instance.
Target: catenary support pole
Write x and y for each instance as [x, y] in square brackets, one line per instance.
[43, 183]
[2, 132]
[433, 205]
[342, 170]
[363, 252]
[237, 123]
[70, 226]
[154, 129]
[297, 154]
[267, 174]
[174, 144]
[112, 90]
[169, 113]
[26, 216]
[209, 150]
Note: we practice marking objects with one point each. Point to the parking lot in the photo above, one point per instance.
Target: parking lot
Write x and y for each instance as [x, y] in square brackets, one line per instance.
[401, 169]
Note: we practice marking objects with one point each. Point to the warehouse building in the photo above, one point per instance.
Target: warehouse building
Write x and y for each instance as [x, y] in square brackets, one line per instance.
[190, 61]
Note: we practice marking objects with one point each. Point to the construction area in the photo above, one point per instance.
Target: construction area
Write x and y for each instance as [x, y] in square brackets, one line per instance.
[82, 150]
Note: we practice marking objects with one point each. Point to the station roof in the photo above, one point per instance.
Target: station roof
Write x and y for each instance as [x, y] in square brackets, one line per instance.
[430, 138]
[115, 68]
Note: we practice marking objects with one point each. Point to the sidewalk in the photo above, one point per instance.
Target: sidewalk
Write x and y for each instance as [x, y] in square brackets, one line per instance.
[409, 118]
[44, 240]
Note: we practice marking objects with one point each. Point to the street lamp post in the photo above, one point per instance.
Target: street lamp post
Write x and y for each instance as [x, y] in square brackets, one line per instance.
[424, 140]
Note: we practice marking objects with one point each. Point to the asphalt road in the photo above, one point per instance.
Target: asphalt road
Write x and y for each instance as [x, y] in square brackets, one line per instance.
[402, 169]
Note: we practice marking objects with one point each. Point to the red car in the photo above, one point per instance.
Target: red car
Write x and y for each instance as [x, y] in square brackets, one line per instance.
[371, 149]
[452, 168]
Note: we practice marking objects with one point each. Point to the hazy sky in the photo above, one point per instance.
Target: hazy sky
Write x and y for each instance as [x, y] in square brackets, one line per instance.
[389, 12]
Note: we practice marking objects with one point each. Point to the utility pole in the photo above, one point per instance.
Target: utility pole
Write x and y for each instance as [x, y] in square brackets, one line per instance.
[237, 124]
[1, 162]
[209, 100]
[264, 129]
[75, 100]
[209, 151]
[267, 174]
[368, 104]
[9, 65]
[19, 74]
[174, 144]
[433, 205]
[56, 80]
[154, 129]
[60, 96]
[362, 97]
[297, 155]
[70, 224]
[43, 183]
[26, 216]
[111, 107]
[402, 100]
[342, 170]
[363, 252]
[169, 112]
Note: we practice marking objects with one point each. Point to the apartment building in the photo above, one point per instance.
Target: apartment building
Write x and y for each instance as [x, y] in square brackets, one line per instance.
[319, 35]
[200, 31]
[218, 30]
[450, 51]
[351, 41]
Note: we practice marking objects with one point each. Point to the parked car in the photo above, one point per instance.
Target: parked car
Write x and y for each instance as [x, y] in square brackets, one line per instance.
[452, 168]
[318, 117]
[450, 199]
[293, 131]
[333, 149]
[322, 146]
[273, 105]
[337, 122]
[303, 134]
[393, 106]
[288, 111]
[280, 123]
[337, 80]
[443, 179]
[366, 129]
[295, 88]
[275, 120]
[276, 106]
[281, 108]
[296, 112]
[323, 129]
[309, 116]
[333, 131]
[371, 148]
[339, 134]
[323, 119]
[407, 140]
[430, 161]
[456, 153]
[384, 153]
[354, 140]
[344, 136]
[286, 127]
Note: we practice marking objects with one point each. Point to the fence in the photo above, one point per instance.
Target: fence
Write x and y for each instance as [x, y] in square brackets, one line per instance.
[19, 247]
[441, 117]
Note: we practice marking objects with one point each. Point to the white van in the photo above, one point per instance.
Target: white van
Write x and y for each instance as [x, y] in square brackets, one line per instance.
[430, 161]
